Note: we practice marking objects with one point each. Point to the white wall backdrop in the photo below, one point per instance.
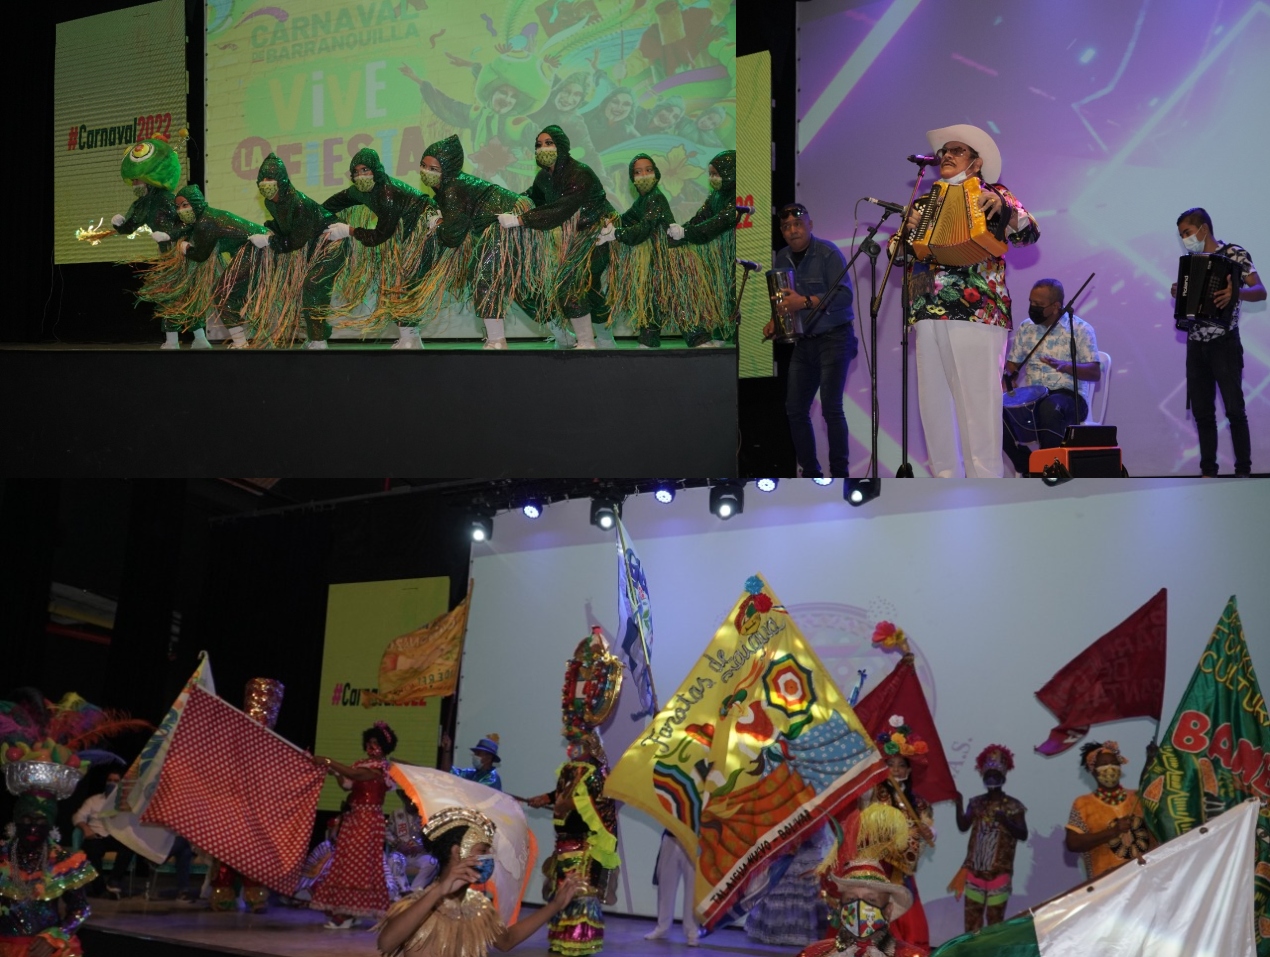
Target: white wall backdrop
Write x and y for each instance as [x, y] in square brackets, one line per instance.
[998, 587]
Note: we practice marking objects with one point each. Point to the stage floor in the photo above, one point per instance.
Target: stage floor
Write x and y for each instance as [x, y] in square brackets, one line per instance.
[141, 927]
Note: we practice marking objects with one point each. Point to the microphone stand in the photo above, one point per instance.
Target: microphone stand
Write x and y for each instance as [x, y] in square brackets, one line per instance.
[901, 249]
[837, 284]
[873, 250]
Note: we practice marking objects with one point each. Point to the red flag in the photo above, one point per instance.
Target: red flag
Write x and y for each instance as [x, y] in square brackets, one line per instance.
[238, 791]
[1121, 675]
[900, 693]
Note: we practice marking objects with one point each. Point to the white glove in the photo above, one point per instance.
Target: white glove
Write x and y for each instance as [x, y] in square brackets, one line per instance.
[337, 231]
[183, 247]
[607, 234]
[675, 231]
[259, 240]
[117, 220]
[508, 220]
[433, 219]
[159, 237]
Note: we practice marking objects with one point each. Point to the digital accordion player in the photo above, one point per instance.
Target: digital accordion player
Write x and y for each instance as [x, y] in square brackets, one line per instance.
[953, 230]
[1199, 276]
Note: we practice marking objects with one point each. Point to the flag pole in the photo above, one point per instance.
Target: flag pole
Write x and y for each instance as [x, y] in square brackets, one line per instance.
[639, 621]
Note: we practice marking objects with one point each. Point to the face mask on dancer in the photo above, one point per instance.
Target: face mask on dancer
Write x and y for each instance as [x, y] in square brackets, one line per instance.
[1193, 243]
[861, 919]
[268, 188]
[484, 867]
[1108, 775]
[431, 177]
[186, 213]
[140, 189]
[716, 182]
[364, 183]
[645, 183]
[545, 157]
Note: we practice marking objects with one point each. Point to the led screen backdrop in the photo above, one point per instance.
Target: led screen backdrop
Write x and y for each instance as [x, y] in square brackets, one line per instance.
[119, 77]
[316, 80]
[754, 188]
[1111, 118]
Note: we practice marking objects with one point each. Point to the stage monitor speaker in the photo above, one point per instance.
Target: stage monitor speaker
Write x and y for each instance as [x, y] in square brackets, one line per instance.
[1077, 463]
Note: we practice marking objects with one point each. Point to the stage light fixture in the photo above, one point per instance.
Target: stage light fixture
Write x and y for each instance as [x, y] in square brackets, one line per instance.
[481, 527]
[823, 481]
[860, 490]
[766, 485]
[532, 508]
[605, 512]
[727, 499]
[665, 494]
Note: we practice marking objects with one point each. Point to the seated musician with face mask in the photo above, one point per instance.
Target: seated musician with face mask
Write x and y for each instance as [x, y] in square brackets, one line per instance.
[1042, 351]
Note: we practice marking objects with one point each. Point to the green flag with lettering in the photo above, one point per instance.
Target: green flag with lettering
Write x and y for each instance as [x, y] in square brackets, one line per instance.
[1216, 754]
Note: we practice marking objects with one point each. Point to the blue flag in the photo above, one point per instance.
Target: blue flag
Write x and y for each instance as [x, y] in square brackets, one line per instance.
[635, 618]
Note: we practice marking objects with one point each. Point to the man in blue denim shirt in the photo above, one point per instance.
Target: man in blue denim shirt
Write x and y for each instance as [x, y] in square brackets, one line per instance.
[821, 357]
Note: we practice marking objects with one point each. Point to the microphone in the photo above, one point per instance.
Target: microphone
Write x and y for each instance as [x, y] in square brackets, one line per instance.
[748, 264]
[889, 207]
[745, 209]
[924, 159]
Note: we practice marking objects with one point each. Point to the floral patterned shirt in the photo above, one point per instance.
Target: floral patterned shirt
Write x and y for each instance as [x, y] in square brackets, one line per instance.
[1056, 345]
[1203, 331]
[974, 293]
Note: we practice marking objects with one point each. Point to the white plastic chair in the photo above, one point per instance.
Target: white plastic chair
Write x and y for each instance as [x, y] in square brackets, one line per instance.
[1096, 393]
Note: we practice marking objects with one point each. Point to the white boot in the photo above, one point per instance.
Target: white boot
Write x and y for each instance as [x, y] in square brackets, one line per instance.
[238, 337]
[582, 328]
[603, 336]
[315, 344]
[495, 334]
[200, 340]
[407, 338]
[171, 340]
[564, 338]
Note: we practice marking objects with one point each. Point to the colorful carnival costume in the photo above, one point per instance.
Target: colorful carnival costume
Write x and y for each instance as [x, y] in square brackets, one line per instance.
[996, 824]
[901, 747]
[568, 195]
[492, 267]
[792, 913]
[712, 229]
[486, 754]
[356, 884]
[1110, 819]
[652, 280]
[585, 820]
[262, 701]
[391, 253]
[865, 905]
[43, 886]
[153, 168]
[294, 279]
[211, 271]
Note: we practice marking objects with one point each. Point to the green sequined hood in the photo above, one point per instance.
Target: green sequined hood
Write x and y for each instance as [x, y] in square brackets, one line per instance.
[370, 159]
[725, 163]
[630, 167]
[194, 195]
[449, 153]
[561, 140]
[273, 168]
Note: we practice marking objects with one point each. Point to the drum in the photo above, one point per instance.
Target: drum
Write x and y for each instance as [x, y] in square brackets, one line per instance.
[780, 283]
[1018, 405]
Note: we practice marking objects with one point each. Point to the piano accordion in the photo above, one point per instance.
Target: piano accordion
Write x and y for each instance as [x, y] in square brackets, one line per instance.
[953, 230]
[1199, 276]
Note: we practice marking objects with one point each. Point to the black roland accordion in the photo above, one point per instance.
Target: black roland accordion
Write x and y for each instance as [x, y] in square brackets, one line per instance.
[1199, 277]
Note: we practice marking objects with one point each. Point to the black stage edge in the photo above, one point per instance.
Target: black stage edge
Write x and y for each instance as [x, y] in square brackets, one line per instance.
[113, 943]
[348, 412]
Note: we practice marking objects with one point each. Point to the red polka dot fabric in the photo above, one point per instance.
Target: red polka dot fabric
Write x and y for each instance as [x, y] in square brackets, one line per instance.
[238, 791]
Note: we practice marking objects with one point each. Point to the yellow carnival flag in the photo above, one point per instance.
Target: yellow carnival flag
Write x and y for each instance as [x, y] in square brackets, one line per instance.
[423, 663]
[756, 748]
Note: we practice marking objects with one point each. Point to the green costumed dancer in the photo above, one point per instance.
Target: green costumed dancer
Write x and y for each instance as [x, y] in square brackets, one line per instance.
[297, 273]
[394, 254]
[491, 266]
[567, 194]
[153, 168]
[652, 281]
[713, 230]
[211, 271]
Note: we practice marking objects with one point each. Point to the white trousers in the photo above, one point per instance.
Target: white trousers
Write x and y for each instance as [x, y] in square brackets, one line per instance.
[672, 866]
[959, 368]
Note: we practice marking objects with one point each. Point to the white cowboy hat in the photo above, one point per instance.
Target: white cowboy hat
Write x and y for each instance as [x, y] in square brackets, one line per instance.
[977, 140]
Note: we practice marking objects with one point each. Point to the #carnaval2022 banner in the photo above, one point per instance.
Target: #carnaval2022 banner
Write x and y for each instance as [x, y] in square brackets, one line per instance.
[755, 748]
